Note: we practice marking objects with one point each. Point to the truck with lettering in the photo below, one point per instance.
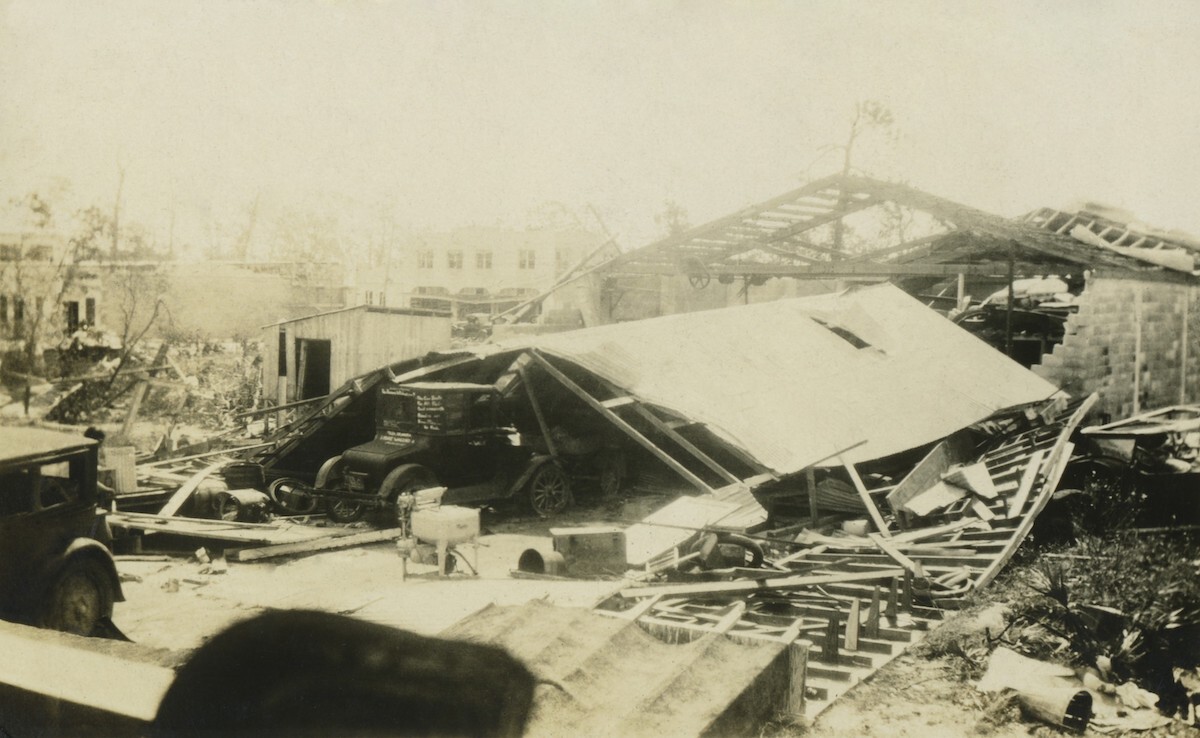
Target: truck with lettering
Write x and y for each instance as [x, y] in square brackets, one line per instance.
[433, 434]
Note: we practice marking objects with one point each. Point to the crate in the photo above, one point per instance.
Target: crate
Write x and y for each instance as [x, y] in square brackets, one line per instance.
[591, 551]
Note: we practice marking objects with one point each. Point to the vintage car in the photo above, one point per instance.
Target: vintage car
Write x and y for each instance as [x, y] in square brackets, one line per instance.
[1145, 468]
[54, 570]
[430, 434]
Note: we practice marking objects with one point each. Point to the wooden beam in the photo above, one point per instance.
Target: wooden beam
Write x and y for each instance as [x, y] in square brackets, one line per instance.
[865, 496]
[616, 420]
[1027, 479]
[687, 445]
[895, 554]
[797, 582]
[321, 544]
[537, 407]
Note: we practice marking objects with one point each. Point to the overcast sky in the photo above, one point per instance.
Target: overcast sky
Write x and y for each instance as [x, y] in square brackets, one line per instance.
[451, 113]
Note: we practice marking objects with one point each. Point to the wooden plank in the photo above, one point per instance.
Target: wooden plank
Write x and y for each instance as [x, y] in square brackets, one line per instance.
[923, 534]
[865, 496]
[895, 554]
[1017, 503]
[616, 420]
[185, 491]
[782, 583]
[928, 471]
[981, 510]
[329, 543]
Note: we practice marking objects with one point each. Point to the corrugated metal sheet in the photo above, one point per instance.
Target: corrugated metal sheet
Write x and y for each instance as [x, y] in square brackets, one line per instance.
[794, 381]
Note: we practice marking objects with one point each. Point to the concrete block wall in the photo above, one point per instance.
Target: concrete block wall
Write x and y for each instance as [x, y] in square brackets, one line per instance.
[1135, 340]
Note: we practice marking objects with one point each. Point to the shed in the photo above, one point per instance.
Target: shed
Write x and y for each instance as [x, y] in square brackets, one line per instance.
[319, 352]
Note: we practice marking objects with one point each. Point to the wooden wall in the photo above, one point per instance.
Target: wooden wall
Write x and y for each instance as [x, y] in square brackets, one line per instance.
[361, 339]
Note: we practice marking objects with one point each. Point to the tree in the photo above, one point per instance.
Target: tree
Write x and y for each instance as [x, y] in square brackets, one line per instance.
[673, 218]
[870, 116]
[38, 276]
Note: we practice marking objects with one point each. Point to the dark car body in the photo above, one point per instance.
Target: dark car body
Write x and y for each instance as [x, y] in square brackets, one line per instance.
[447, 434]
[51, 554]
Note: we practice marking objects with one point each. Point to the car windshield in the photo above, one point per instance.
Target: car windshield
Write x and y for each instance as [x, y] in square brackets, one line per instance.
[397, 409]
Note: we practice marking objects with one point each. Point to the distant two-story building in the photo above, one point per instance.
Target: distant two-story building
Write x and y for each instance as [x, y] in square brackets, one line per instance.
[472, 270]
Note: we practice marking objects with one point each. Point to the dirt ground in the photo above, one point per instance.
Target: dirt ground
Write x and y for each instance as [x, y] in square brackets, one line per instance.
[172, 604]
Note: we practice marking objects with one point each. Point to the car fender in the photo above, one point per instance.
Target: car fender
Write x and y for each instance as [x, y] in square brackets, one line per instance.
[325, 470]
[537, 461]
[84, 548]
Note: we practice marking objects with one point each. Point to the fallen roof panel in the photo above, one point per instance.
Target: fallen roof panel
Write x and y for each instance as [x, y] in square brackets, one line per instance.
[795, 382]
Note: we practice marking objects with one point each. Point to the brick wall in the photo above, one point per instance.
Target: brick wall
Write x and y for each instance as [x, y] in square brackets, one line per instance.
[1129, 342]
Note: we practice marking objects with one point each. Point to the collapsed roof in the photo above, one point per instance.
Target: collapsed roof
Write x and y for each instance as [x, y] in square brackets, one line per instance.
[797, 382]
[783, 386]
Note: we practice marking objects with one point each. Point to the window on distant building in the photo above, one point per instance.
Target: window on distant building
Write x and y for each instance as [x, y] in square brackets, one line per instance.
[40, 253]
[483, 259]
[527, 259]
[425, 259]
[91, 311]
[18, 311]
[3, 309]
[9, 252]
[370, 297]
[561, 258]
[454, 259]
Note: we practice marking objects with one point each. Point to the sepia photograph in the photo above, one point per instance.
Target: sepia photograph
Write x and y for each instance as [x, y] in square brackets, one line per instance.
[630, 368]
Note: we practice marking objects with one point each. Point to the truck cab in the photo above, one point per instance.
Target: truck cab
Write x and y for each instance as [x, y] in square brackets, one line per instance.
[447, 434]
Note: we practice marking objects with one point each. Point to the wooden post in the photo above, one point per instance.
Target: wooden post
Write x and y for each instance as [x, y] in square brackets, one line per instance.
[1183, 348]
[829, 649]
[1137, 351]
[798, 677]
[962, 291]
[873, 615]
[810, 480]
[852, 624]
[1008, 310]
[893, 602]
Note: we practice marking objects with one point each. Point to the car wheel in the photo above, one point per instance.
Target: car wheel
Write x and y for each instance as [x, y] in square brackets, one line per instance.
[400, 481]
[344, 511]
[79, 599]
[290, 497]
[332, 476]
[549, 490]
